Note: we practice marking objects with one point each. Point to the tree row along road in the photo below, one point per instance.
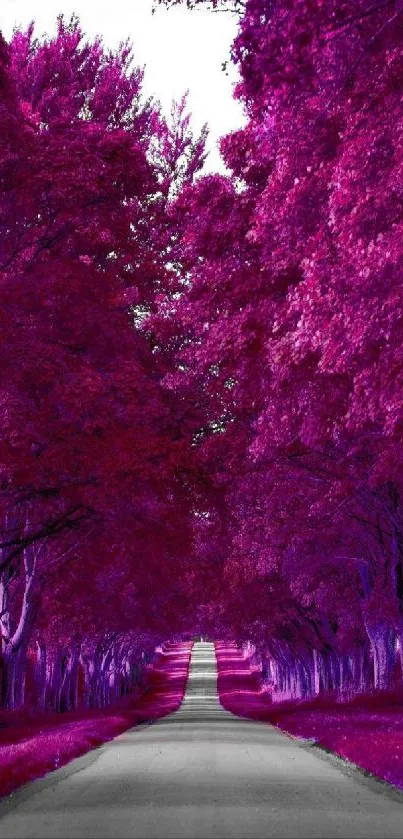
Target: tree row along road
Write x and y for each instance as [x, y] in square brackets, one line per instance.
[202, 772]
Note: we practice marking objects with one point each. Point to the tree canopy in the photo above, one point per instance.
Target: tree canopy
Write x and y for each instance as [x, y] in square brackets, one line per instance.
[201, 378]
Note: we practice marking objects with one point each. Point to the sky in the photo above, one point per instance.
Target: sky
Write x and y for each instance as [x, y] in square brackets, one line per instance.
[180, 49]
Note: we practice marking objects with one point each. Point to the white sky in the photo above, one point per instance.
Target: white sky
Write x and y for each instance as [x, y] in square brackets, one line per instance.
[181, 50]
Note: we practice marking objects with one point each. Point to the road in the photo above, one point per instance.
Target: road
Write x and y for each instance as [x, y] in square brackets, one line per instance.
[201, 773]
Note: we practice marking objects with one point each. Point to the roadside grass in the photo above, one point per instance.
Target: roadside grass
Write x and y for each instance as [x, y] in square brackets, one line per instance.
[366, 730]
[33, 744]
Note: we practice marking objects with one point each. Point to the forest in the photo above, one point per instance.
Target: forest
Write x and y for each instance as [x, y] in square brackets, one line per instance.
[201, 375]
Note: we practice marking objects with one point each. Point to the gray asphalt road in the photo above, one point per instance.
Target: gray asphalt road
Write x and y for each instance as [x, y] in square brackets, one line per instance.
[202, 773]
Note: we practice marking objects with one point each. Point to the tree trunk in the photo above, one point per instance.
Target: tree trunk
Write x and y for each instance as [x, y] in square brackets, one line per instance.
[382, 640]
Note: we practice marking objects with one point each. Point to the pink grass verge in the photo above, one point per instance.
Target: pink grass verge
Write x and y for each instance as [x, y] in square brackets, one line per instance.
[31, 746]
[367, 730]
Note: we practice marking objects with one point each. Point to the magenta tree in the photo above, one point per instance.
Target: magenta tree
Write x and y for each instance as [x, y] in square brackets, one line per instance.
[290, 329]
[92, 497]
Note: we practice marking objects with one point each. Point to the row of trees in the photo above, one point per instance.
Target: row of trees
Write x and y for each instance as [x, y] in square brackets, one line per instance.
[201, 378]
[97, 489]
[291, 331]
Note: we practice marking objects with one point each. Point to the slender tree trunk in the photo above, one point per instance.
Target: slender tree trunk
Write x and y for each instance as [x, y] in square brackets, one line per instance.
[316, 672]
[15, 639]
[41, 675]
[382, 640]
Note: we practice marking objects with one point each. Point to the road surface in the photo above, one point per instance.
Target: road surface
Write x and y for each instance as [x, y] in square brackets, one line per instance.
[201, 773]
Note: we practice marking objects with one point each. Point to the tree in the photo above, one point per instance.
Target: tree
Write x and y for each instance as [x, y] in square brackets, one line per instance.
[289, 327]
[91, 447]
